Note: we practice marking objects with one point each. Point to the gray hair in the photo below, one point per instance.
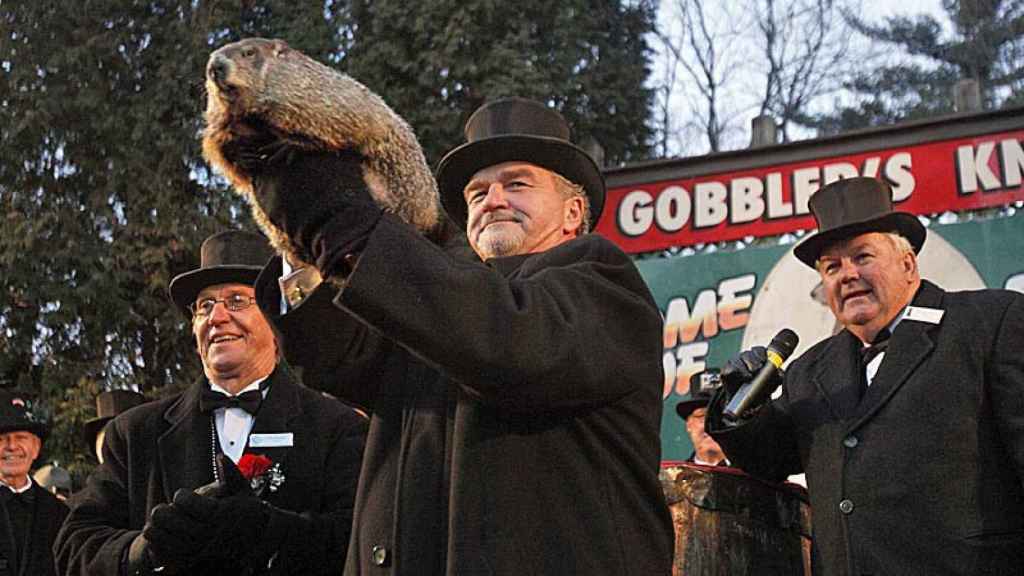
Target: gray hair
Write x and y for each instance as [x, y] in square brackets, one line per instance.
[900, 242]
[569, 190]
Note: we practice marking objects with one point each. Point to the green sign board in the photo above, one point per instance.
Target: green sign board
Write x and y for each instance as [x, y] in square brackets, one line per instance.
[717, 304]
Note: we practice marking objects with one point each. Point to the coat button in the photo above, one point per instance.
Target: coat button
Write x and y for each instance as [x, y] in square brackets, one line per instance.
[846, 506]
[850, 441]
[379, 555]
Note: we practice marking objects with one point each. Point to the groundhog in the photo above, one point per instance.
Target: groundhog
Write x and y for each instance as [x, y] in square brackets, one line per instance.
[260, 92]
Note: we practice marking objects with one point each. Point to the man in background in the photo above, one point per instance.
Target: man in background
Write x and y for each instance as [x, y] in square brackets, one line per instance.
[29, 515]
[109, 403]
[706, 451]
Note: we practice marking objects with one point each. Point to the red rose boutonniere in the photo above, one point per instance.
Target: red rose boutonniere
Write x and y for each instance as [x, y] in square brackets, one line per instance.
[261, 472]
[252, 465]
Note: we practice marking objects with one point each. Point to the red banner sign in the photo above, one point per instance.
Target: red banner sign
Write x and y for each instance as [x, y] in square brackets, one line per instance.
[929, 178]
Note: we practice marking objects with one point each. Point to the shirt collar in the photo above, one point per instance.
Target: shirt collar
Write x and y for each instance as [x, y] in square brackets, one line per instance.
[254, 385]
[24, 488]
[892, 325]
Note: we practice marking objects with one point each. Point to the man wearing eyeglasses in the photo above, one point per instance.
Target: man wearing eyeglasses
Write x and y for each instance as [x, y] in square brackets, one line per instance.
[299, 450]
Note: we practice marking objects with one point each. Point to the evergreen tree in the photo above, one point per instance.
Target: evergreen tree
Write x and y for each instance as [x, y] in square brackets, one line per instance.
[436, 61]
[103, 191]
[105, 196]
[986, 46]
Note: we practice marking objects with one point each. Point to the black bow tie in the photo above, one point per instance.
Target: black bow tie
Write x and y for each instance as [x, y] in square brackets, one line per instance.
[7, 495]
[878, 346]
[211, 400]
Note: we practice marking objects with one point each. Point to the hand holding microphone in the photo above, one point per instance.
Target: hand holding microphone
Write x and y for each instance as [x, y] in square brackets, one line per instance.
[753, 375]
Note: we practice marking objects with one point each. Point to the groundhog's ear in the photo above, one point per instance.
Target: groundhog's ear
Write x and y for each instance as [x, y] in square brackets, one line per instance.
[280, 47]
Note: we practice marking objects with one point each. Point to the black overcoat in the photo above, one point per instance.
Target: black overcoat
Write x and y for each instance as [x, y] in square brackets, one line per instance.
[925, 475]
[516, 407]
[154, 449]
[47, 516]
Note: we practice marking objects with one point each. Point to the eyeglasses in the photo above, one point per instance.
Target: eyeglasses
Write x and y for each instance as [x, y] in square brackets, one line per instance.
[234, 303]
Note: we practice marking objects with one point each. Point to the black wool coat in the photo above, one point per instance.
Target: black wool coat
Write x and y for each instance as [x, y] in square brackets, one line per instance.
[153, 450]
[925, 475]
[515, 406]
[48, 514]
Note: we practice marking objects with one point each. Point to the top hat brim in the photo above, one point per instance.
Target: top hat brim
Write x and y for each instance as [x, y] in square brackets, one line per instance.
[902, 223]
[186, 286]
[91, 429]
[37, 428]
[564, 158]
[686, 407]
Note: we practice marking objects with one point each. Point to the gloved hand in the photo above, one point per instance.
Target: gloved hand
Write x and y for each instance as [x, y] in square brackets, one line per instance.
[233, 525]
[176, 538]
[209, 522]
[239, 528]
[742, 368]
[140, 560]
[320, 200]
[230, 480]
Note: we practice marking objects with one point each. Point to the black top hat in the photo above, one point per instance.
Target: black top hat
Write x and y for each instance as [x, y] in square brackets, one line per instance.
[855, 206]
[108, 404]
[16, 414]
[233, 256]
[703, 386]
[514, 129]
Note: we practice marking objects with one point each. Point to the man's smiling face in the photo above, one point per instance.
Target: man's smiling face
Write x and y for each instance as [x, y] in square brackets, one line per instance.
[516, 208]
[236, 347]
[19, 449]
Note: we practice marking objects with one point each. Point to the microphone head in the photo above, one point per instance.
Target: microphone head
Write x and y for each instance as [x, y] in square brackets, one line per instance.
[784, 343]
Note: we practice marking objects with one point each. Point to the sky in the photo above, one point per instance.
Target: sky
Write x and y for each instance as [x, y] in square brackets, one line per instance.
[740, 102]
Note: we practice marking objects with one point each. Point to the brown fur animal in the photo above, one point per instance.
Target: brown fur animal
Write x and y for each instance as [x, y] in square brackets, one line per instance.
[260, 92]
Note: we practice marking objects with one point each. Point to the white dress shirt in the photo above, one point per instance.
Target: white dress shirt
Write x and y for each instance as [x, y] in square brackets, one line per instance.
[872, 368]
[234, 424]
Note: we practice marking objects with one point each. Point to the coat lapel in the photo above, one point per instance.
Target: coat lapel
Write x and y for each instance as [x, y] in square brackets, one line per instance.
[185, 450]
[911, 343]
[837, 375]
[276, 413]
[37, 554]
[7, 537]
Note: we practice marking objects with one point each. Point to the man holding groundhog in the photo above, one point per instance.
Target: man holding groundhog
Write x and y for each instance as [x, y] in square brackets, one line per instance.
[514, 390]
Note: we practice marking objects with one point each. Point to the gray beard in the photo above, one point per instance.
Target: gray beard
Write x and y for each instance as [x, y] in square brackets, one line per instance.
[498, 245]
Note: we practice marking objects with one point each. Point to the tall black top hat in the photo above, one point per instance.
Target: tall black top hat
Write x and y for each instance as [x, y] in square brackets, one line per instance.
[16, 414]
[109, 403]
[855, 206]
[516, 129]
[233, 256]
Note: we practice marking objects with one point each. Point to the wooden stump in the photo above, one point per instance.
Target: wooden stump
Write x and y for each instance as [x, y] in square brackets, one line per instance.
[728, 523]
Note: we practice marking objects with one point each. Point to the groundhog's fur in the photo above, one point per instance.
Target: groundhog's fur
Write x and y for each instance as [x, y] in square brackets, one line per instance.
[261, 91]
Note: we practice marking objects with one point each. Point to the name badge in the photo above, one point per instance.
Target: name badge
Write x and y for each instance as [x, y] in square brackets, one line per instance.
[921, 314]
[279, 440]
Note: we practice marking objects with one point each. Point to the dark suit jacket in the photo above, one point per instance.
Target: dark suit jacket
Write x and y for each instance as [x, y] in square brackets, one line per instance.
[153, 450]
[516, 407]
[47, 515]
[925, 475]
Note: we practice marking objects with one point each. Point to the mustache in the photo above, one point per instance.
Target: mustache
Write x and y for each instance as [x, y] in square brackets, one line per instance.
[499, 216]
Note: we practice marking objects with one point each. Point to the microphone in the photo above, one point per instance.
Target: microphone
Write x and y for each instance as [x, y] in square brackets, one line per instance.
[752, 393]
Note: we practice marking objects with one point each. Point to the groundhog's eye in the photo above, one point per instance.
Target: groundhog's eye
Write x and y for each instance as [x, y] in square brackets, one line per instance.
[248, 52]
